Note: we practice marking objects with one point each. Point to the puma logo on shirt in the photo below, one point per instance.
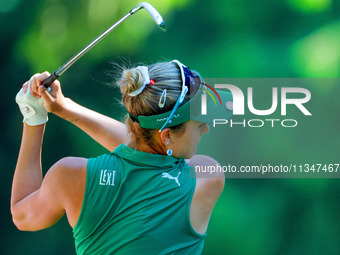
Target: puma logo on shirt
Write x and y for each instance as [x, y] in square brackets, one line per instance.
[166, 175]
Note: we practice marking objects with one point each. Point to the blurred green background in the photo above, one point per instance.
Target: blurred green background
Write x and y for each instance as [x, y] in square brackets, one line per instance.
[235, 38]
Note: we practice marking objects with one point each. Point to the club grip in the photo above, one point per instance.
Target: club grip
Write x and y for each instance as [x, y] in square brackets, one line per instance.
[49, 80]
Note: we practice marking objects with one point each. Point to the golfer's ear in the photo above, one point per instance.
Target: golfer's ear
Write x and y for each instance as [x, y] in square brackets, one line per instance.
[165, 136]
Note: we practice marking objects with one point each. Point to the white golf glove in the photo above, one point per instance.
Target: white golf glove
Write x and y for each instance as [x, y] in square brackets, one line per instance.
[32, 108]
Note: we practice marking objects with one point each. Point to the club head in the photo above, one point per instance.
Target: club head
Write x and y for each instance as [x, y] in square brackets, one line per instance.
[153, 13]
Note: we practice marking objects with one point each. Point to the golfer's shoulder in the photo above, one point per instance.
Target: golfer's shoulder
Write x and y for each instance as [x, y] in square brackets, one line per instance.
[71, 164]
[206, 179]
[66, 178]
[68, 169]
[205, 166]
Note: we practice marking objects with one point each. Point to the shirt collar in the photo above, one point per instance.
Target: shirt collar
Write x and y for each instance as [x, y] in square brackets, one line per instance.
[144, 158]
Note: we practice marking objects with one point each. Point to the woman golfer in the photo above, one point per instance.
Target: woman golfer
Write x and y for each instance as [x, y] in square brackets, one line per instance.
[140, 199]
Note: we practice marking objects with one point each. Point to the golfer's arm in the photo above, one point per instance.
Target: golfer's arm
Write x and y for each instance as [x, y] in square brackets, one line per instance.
[32, 209]
[108, 132]
[28, 174]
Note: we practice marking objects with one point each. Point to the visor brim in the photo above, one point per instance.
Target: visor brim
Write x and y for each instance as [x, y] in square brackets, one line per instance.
[222, 108]
[208, 107]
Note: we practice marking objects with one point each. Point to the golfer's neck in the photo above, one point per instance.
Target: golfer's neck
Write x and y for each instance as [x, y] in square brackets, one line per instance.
[142, 146]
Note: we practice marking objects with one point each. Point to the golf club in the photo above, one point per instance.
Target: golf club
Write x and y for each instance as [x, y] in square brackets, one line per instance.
[150, 9]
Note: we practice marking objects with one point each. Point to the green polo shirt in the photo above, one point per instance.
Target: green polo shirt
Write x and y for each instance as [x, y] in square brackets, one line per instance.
[137, 203]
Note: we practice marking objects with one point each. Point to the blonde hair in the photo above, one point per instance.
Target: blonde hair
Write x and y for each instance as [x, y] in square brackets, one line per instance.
[166, 75]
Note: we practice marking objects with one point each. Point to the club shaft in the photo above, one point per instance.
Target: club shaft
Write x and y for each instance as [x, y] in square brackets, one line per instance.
[154, 14]
[62, 69]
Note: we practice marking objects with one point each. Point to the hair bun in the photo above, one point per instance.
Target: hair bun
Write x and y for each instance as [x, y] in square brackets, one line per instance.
[131, 80]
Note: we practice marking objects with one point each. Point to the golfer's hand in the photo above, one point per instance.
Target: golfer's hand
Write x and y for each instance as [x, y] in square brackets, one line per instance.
[31, 105]
[54, 100]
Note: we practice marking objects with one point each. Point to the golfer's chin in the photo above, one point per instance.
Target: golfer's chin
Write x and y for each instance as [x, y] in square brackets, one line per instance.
[192, 153]
[187, 155]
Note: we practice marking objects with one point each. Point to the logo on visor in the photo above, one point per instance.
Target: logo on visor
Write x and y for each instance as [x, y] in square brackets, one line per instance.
[166, 118]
